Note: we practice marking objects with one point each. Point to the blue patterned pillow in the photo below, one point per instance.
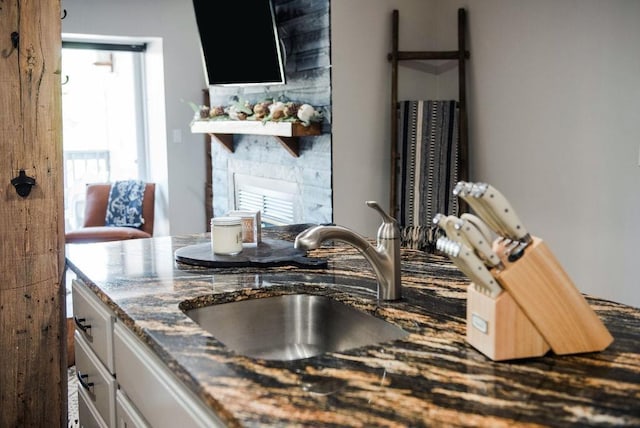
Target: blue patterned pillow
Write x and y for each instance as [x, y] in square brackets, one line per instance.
[125, 204]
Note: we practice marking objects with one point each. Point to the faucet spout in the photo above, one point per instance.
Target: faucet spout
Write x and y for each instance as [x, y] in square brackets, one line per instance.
[384, 259]
[314, 236]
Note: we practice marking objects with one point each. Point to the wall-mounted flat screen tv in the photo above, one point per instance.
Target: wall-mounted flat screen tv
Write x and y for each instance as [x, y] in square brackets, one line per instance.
[240, 42]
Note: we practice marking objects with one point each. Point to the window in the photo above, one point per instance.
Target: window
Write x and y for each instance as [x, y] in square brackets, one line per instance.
[103, 119]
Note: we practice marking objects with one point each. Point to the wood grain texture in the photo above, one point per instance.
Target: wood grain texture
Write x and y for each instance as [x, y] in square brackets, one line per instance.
[32, 379]
[499, 328]
[544, 291]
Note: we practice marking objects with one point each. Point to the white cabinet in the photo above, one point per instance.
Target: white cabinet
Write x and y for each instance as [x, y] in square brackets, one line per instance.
[94, 321]
[128, 415]
[87, 413]
[95, 381]
[94, 358]
[157, 393]
[144, 393]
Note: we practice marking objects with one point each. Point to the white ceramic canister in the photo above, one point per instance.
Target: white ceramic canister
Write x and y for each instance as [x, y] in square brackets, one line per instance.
[226, 235]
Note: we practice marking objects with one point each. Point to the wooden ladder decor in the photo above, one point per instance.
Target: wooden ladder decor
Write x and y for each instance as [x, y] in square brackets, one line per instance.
[460, 55]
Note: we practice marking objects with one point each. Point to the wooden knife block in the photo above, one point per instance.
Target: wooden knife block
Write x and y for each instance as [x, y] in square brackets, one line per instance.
[536, 288]
[499, 329]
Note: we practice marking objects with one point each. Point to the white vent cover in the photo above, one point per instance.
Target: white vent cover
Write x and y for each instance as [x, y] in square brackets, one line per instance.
[275, 199]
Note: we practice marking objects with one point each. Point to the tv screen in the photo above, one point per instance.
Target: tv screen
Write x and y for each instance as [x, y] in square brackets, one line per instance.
[240, 42]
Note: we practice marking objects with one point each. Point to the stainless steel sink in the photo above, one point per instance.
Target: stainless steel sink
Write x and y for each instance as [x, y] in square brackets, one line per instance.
[292, 327]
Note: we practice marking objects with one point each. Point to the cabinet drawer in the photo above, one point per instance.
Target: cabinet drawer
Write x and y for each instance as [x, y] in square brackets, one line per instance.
[161, 398]
[94, 321]
[87, 413]
[95, 381]
[127, 415]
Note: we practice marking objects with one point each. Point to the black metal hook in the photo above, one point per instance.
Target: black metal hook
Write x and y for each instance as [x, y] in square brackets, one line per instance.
[23, 183]
[66, 79]
[64, 14]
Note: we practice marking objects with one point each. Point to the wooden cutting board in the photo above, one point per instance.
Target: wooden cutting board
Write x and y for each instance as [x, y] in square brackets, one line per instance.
[268, 253]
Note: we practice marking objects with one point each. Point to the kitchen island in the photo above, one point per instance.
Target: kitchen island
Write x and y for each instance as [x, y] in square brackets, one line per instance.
[430, 378]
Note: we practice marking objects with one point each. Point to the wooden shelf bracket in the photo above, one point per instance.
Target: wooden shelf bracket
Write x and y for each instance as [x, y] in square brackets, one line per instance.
[225, 139]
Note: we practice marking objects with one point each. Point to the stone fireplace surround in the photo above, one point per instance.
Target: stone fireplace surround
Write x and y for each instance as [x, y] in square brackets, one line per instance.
[304, 30]
[308, 177]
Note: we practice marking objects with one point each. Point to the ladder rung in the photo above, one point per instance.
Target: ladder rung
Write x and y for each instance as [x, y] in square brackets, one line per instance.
[427, 55]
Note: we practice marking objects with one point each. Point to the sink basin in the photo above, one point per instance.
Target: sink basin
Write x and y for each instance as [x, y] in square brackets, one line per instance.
[292, 327]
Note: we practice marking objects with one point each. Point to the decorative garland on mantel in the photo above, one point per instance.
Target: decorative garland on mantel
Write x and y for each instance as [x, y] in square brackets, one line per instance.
[265, 111]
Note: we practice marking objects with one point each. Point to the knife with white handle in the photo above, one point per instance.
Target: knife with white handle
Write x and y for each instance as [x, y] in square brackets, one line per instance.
[450, 225]
[464, 190]
[466, 260]
[495, 202]
[446, 223]
[477, 240]
[480, 225]
[463, 231]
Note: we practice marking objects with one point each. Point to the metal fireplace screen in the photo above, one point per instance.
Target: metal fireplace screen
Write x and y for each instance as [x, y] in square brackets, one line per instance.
[277, 207]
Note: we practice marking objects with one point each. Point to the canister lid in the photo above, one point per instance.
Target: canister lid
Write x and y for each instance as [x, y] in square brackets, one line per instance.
[226, 221]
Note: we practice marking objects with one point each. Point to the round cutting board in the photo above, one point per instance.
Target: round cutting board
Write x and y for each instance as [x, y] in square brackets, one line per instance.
[268, 253]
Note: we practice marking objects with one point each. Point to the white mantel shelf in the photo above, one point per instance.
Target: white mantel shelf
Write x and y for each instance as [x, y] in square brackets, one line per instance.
[286, 133]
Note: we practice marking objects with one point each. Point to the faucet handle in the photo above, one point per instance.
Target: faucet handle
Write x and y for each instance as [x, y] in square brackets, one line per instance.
[386, 218]
[389, 227]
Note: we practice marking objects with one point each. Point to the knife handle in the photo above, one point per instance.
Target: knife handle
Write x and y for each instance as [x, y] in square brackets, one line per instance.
[477, 240]
[495, 202]
[463, 232]
[464, 191]
[467, 261]
[478, 272]
[446, 223]
[488, 234]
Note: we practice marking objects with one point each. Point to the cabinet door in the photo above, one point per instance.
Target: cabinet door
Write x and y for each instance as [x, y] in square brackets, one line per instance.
[127, 415]
[94, 321]
[87, 413]
[95, 382]
[161, 398]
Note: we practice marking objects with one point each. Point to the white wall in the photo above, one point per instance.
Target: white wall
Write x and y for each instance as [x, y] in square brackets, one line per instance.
[554, 89]
[178, 168]
[361, 94]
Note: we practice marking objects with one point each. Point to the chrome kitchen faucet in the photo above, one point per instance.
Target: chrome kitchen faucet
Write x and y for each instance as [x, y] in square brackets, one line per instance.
[385, 258]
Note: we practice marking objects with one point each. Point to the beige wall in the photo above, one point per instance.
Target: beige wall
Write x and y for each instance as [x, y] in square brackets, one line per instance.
[554, 120]
[360, 41]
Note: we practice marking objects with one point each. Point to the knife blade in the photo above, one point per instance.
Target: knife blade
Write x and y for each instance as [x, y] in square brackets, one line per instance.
[495, 202]
[477, 240]
[467, 261]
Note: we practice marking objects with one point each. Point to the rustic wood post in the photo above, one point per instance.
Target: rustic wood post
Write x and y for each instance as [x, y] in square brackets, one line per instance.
[33, 389]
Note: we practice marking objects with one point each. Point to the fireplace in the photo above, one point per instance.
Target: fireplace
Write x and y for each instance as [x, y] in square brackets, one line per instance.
[277, 200]
[255, 172]
[261, 175]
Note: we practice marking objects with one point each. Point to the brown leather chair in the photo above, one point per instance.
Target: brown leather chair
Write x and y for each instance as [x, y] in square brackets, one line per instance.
[95, 212]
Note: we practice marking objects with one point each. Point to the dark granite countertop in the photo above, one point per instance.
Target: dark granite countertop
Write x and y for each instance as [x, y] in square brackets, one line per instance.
[433, 377]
